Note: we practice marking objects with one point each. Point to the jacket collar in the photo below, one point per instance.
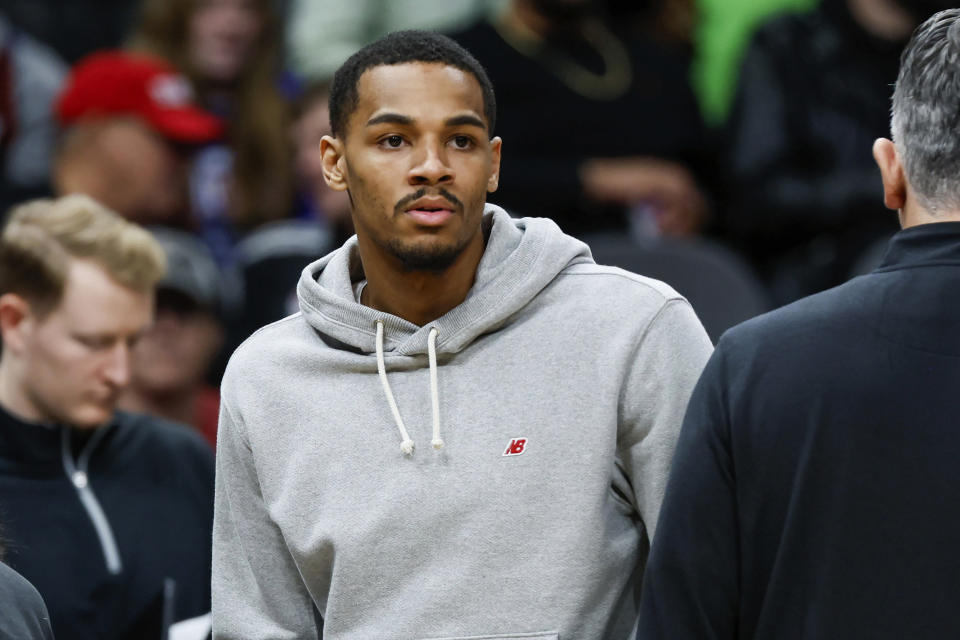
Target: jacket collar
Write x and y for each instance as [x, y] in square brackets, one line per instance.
[37, 444]
[923, 245]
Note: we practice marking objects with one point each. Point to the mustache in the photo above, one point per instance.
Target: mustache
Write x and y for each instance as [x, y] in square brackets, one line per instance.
[402, 204]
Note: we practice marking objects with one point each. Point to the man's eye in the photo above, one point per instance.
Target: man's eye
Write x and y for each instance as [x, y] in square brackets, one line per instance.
[462, 142]
[94, 343]
[392, 141]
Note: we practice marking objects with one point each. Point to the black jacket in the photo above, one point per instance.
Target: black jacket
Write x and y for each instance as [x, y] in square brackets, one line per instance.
[815, 486]
[113, 527]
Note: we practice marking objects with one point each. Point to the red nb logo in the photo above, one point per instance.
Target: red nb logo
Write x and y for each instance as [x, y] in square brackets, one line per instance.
[516, 447]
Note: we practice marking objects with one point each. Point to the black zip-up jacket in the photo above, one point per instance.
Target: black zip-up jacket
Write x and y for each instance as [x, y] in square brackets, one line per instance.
[113, 526]
[816, 483]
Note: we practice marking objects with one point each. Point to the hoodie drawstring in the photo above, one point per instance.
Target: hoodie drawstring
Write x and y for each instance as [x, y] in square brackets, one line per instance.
[406, 444]
[437, 441]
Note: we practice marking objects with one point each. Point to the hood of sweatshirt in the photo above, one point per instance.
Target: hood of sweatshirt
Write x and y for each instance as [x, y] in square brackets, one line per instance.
[522, 256]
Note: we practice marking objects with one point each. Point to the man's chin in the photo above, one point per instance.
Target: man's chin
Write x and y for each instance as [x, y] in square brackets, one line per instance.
[430, 255]
[90, 417]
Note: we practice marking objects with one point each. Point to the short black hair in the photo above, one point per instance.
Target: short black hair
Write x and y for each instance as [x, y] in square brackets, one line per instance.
[401, 47]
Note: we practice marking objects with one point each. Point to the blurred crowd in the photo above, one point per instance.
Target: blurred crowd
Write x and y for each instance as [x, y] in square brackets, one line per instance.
[721, 146]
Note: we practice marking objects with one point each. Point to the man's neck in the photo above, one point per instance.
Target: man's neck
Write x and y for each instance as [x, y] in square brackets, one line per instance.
[913, 213]
[917, 217]
[419, 296]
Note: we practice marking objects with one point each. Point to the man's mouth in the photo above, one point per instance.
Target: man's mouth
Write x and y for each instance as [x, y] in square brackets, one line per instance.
[430, 211]
[430, 217]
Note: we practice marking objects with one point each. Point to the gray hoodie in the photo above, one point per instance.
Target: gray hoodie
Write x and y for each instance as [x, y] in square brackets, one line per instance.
[555, 396]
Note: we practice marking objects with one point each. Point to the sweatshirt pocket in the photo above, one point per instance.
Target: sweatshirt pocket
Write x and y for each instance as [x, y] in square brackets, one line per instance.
[537, 635]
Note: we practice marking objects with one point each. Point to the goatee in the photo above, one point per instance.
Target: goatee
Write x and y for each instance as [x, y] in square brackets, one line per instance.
[419, 258]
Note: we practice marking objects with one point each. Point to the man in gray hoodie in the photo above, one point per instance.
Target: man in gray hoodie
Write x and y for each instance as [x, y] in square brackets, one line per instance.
[550, 391]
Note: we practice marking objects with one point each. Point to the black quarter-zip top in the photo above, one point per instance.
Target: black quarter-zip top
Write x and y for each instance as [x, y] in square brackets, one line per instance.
[105, 522]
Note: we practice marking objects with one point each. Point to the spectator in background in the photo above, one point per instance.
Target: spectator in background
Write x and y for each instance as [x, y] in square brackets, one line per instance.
[812, 98]
[132, 132]
[129, 124]
[126, 165]
[669, 21]
[600, 122]
[724, 28]
[76, 28]
[270, 259]
[107, 513]
[172, 361]
[317, 201]
[814, 489]
[230, 51]
[30, 77]
[321, 34]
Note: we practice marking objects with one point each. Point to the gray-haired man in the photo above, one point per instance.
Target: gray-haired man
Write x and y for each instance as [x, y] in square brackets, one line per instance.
[814, 489]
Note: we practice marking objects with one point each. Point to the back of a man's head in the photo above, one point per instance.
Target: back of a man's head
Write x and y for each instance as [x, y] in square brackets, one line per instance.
[42, 236]
[926, 112]
[403, 47]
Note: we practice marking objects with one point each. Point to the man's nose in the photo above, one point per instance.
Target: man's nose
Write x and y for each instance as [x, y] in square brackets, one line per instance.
[431, 166]
[117, 368]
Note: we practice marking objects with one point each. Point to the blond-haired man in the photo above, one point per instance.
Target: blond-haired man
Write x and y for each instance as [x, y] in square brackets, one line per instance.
[107, 514]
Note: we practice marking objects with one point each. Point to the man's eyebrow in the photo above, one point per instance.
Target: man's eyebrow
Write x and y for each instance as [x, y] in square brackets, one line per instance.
[391, 118]
[465, 119]
[455, 121]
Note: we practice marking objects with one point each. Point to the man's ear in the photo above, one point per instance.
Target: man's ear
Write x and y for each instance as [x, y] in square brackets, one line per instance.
[494, 181]
[891, 172]
[16, 321]
[334, 170]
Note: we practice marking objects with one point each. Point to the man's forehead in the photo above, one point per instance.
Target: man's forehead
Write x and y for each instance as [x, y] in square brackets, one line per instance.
[418, 85]
[91, 296]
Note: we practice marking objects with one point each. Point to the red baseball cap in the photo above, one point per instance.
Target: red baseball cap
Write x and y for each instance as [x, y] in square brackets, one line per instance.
[118, 82]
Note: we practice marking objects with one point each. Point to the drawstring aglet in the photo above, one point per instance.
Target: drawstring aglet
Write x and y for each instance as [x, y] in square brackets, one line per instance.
[407, 447]
[437, 443]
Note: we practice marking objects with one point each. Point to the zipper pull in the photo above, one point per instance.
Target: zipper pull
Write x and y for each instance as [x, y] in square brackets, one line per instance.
[79, 479]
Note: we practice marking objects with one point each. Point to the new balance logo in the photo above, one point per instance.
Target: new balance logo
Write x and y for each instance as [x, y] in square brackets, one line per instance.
[516, 447]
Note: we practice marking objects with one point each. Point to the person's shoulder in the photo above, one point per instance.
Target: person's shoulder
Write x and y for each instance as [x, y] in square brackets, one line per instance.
[292, 326]
[23, 610]
[614, 297]
[154, 436]
[816, 321]
[172, 453]
[601, 281]
[270, 338]
[264, 354]
[16, 589]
